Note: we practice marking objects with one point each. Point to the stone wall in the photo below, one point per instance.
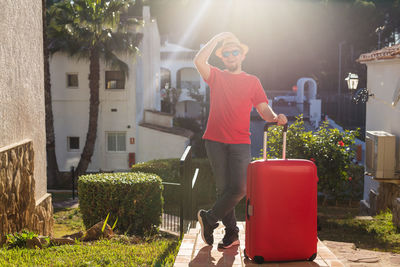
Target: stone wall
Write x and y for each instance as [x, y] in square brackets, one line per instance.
[18, 208]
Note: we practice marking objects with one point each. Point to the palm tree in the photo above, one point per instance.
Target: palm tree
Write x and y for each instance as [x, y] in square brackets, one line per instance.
[93, 30]
[52, 166]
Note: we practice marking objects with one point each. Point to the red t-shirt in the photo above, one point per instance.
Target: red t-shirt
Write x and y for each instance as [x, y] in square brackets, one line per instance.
[232, 96]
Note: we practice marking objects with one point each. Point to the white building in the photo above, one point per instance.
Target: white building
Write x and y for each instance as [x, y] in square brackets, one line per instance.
[178, 71]
[126, 133]
[382, 121]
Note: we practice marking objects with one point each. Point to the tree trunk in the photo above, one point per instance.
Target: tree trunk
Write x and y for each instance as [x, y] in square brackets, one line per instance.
[94, 77]
[52, 166]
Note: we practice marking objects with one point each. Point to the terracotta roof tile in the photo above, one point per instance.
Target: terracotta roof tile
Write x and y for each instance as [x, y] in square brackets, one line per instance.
[388, 52]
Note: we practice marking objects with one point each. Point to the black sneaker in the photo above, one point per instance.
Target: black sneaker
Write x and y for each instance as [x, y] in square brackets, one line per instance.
[206, 228]
[230, 239]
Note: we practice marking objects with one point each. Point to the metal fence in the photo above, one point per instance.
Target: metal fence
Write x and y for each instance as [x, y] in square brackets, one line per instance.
[346, 113]
[180, 200]
[171, 208]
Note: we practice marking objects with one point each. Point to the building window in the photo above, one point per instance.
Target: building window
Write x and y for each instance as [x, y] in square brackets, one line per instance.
[115, 80]
[73, 143]
[72, 80]
[116, 142]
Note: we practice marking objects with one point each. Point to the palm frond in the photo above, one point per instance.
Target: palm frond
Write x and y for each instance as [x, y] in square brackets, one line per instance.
[115, 63]
[76, 27]
[123, 42]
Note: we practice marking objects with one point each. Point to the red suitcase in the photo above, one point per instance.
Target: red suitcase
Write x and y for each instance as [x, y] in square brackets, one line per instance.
[281, 208]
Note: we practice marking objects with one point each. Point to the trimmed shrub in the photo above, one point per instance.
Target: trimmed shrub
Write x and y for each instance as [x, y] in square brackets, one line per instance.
[168, 170]
[134, 198]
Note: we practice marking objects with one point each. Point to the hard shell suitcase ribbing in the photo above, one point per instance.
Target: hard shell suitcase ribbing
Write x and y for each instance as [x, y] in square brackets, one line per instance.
[281, 208]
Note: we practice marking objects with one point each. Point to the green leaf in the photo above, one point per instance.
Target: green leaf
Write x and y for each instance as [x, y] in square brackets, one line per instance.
[105, 223]
[115, 224]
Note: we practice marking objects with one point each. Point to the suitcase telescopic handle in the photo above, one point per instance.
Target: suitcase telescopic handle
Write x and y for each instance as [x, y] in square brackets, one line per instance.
[266, 126]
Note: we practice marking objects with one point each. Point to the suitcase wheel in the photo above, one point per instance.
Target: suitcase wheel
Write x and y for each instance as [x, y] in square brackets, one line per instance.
[313, 257]
[259, 259]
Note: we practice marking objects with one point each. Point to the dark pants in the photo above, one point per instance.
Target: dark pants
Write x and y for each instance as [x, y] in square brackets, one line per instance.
[229, 164]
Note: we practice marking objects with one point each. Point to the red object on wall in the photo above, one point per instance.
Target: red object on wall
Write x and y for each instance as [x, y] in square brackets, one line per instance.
[359, 153]
[132, 140]
[131, 159]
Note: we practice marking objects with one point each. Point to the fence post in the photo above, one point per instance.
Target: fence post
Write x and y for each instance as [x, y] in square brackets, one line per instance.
[186, 197]
[186, 183]
[181, 206]
[194, 198]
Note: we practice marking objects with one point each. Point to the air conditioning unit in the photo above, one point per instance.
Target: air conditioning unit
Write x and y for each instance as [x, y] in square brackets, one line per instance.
[380, 159]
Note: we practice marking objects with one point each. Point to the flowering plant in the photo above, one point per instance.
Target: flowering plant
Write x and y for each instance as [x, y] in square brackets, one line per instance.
[331, 150]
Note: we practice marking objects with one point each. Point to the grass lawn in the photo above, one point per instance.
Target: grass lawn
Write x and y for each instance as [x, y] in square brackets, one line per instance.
[158, 250]
[343, 224]
[67, 221]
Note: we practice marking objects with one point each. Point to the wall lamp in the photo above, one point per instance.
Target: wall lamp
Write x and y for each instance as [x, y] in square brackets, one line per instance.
[361, 94]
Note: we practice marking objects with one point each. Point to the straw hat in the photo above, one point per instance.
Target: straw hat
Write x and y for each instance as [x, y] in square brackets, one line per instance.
[231, 42]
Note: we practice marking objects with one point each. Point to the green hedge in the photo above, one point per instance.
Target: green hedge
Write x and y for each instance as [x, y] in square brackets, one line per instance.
[168, 170]
[134, 198]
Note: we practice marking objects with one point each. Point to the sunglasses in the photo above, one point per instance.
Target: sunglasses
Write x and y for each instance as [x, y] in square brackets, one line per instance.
[234, 53]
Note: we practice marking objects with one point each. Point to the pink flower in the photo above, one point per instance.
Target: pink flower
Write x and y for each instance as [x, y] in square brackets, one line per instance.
[350, 179]
[340, 143]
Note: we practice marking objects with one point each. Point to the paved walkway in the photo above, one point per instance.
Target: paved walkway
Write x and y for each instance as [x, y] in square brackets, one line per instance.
[194, 252]
[351, 256]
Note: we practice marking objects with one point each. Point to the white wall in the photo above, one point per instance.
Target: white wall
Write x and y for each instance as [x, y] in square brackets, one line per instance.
[158, 118]
[190, 74]
[71, 114]
[193, 109]
[159, 145]
[382, 79]
[150, 63]
[148, 68]
[22, 110]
